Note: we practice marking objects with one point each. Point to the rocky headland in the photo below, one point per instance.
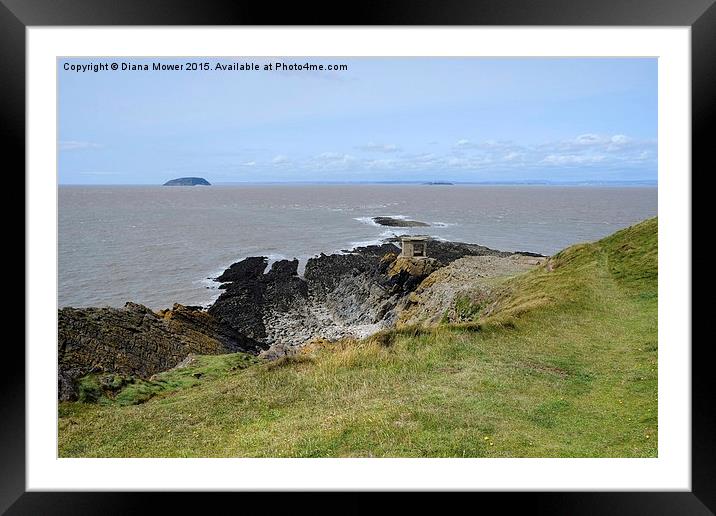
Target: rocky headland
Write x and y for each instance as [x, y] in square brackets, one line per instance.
[274, 312]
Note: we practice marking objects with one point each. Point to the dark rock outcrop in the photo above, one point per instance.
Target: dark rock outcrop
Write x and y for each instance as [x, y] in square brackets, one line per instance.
[134, 340]
[252, 267]
[188, 181]
[399, 223]
[354, 293]
[250, 294]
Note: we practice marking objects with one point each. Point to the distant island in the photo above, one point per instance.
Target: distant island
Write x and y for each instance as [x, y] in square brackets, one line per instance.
[439, 183]
[188, 181]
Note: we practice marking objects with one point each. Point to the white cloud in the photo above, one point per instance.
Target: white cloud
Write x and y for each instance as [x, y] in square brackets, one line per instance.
[484, 145]
[381, 164]
[620, 139]
[572, 159]
[613, 152]
[333, 161]
[248, 164]
[457, 162]
[379, 147]
[333, 157]
[588, 139]
[77, 145]
[644, 155]
[330, 156]
[466, 163]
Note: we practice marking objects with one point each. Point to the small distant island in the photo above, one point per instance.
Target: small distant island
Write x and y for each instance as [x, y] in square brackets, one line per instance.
[439, 183]
[188, 181]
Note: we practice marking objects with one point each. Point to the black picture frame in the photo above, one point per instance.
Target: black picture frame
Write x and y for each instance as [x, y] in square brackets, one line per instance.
[700, 15]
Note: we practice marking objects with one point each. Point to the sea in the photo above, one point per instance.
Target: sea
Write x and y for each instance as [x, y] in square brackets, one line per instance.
[160, 245]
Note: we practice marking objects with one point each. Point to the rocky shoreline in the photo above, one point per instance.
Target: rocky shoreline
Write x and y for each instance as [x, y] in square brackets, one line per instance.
[267, 313]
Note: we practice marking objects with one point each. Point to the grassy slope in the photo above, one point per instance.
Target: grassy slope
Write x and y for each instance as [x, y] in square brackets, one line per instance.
[565, 368]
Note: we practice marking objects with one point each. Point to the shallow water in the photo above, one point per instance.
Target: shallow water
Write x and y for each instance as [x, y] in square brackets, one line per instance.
[158, 245]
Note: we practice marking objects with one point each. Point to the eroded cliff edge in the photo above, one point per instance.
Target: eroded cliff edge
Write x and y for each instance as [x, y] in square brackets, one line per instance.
[353, 293]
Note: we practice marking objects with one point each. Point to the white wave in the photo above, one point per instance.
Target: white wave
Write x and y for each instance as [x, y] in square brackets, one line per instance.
[210, 287]
[365, 243]
[209, 279]
[380, 239]
[371, 220]
[366, 220]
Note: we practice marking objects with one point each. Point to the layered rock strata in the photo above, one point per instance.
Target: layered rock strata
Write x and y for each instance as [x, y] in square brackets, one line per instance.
[134, 340]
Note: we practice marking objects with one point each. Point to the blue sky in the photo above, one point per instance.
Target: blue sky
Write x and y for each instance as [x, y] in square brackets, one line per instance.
[384, 119]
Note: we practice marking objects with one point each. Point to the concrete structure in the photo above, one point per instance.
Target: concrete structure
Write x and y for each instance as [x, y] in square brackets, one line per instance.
[414, 247]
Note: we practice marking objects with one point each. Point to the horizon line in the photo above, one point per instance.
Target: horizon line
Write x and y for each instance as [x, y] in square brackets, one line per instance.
[436, 182]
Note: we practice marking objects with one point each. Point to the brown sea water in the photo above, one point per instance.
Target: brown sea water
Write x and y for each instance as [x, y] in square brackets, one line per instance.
[160, 245]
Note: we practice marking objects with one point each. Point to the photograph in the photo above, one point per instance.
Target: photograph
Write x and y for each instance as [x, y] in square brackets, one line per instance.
[433, 247]
[357, 257]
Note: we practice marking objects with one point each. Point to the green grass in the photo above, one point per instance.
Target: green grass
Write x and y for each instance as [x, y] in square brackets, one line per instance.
[565, 366]
[464, 309]
[114, 389]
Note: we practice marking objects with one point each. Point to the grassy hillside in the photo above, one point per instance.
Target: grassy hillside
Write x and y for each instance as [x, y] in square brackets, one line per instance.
[564, 365]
